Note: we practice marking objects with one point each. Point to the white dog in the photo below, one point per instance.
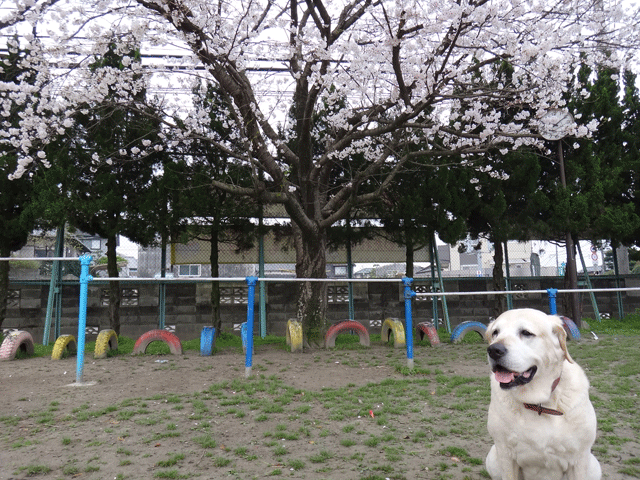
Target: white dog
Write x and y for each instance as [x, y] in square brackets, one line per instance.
[540, 417]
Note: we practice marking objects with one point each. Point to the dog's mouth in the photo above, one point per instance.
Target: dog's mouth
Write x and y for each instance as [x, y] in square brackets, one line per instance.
[508, 379]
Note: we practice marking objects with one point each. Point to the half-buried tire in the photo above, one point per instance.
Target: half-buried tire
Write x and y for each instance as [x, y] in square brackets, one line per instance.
[107, 340]
[347, 325]
[15, 341]
[207, 340]
[64, 344]
[395, 327]
[428, 329]
[465, 327]
[573, 333]
[294, 335]
[175, 347]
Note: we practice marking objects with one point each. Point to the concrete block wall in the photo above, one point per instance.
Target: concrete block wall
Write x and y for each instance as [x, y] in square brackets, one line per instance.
[188, 306]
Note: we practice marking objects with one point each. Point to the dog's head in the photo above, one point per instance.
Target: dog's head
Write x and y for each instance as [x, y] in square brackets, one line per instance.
[526, 351]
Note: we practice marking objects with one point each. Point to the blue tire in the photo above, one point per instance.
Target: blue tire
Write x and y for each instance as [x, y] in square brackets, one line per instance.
[207, 340]
[461, 330]
[570, 327]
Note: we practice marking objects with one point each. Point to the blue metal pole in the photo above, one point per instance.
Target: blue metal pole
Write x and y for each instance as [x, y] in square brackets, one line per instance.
[552, 292]
[251, 282]
[408, 295]
[85, 278]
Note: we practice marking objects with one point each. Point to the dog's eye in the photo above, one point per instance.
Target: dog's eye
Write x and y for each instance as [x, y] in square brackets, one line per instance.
[495, 333]
[526, 333]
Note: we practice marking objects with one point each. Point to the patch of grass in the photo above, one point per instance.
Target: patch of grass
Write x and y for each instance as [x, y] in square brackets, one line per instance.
[206, 441]
[70, 469]
[280, 450]
[169, 474]
[296, 464]
[221, 462]
[372, 441]
[21, 442]
[321, 456]
[171, 461]
[35, 470]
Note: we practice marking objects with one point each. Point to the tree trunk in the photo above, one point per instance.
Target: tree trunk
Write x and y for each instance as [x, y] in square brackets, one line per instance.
[409, 253]
[500, 304]
[114, 287]
[4, 283]
[312, 296]
[216, 320]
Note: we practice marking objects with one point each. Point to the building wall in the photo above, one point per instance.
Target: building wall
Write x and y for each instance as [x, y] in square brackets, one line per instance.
[188, 306]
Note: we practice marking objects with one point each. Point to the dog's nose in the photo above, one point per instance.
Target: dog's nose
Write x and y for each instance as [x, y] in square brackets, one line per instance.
[496, 351]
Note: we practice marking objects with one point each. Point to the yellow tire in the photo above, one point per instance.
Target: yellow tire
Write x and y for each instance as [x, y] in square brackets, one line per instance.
[294, 335]
[64, 343]
[393, 325]
[107, 340]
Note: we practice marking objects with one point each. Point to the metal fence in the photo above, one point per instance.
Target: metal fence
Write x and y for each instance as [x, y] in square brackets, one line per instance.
[376, 258]
[273, 256]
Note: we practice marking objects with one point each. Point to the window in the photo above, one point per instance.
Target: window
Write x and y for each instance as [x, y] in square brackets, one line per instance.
[340, 271]
[189, 270]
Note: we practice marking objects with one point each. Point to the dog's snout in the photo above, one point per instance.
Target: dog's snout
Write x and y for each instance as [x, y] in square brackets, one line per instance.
[497, 351]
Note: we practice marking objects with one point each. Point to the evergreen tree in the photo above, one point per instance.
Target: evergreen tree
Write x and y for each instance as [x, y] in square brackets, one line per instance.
[214, 215]
[99, 176]
[423, 201]
[16, 216]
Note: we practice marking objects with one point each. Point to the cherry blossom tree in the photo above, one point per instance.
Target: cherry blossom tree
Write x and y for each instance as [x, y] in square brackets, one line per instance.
[404, 66]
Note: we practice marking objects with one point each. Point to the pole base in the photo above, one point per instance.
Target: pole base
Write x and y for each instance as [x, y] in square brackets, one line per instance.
[82, 384]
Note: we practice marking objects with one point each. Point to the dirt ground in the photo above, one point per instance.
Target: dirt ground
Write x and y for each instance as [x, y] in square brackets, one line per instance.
[188, 416]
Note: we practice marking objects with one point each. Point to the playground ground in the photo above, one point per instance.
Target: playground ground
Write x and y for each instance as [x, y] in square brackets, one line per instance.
[348, 413]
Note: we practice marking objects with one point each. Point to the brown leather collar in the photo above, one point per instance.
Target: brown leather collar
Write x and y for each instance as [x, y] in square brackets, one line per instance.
[540, 409]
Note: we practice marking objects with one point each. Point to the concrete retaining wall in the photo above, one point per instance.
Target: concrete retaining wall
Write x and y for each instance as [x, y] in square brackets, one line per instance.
[188, 306]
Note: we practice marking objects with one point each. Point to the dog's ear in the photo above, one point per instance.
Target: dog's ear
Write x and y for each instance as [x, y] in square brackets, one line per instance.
[488, 332]
[560, 332]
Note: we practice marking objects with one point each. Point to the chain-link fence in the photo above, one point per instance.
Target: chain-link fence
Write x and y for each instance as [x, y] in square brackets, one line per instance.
[374, 257]
[380, 258]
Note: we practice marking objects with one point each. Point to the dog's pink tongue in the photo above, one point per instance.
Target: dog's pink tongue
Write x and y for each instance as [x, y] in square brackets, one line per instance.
[504, 377]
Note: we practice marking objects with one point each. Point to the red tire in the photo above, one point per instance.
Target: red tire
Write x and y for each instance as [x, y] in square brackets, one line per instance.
[158, 336]
[428, 329]
[14, 341]
[335, 330]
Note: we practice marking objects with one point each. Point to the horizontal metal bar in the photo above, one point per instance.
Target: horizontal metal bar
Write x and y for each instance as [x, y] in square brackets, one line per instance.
[512, 292]
[244, 279]
[356, 280]
[46, 259]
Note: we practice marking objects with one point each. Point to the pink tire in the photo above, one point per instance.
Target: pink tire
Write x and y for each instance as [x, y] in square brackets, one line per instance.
[14, 341]
[338, 328]
[175, 347]
[428, 329]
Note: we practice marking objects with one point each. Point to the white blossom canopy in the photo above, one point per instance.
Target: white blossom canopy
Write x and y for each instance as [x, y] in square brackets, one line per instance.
[403, 72]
